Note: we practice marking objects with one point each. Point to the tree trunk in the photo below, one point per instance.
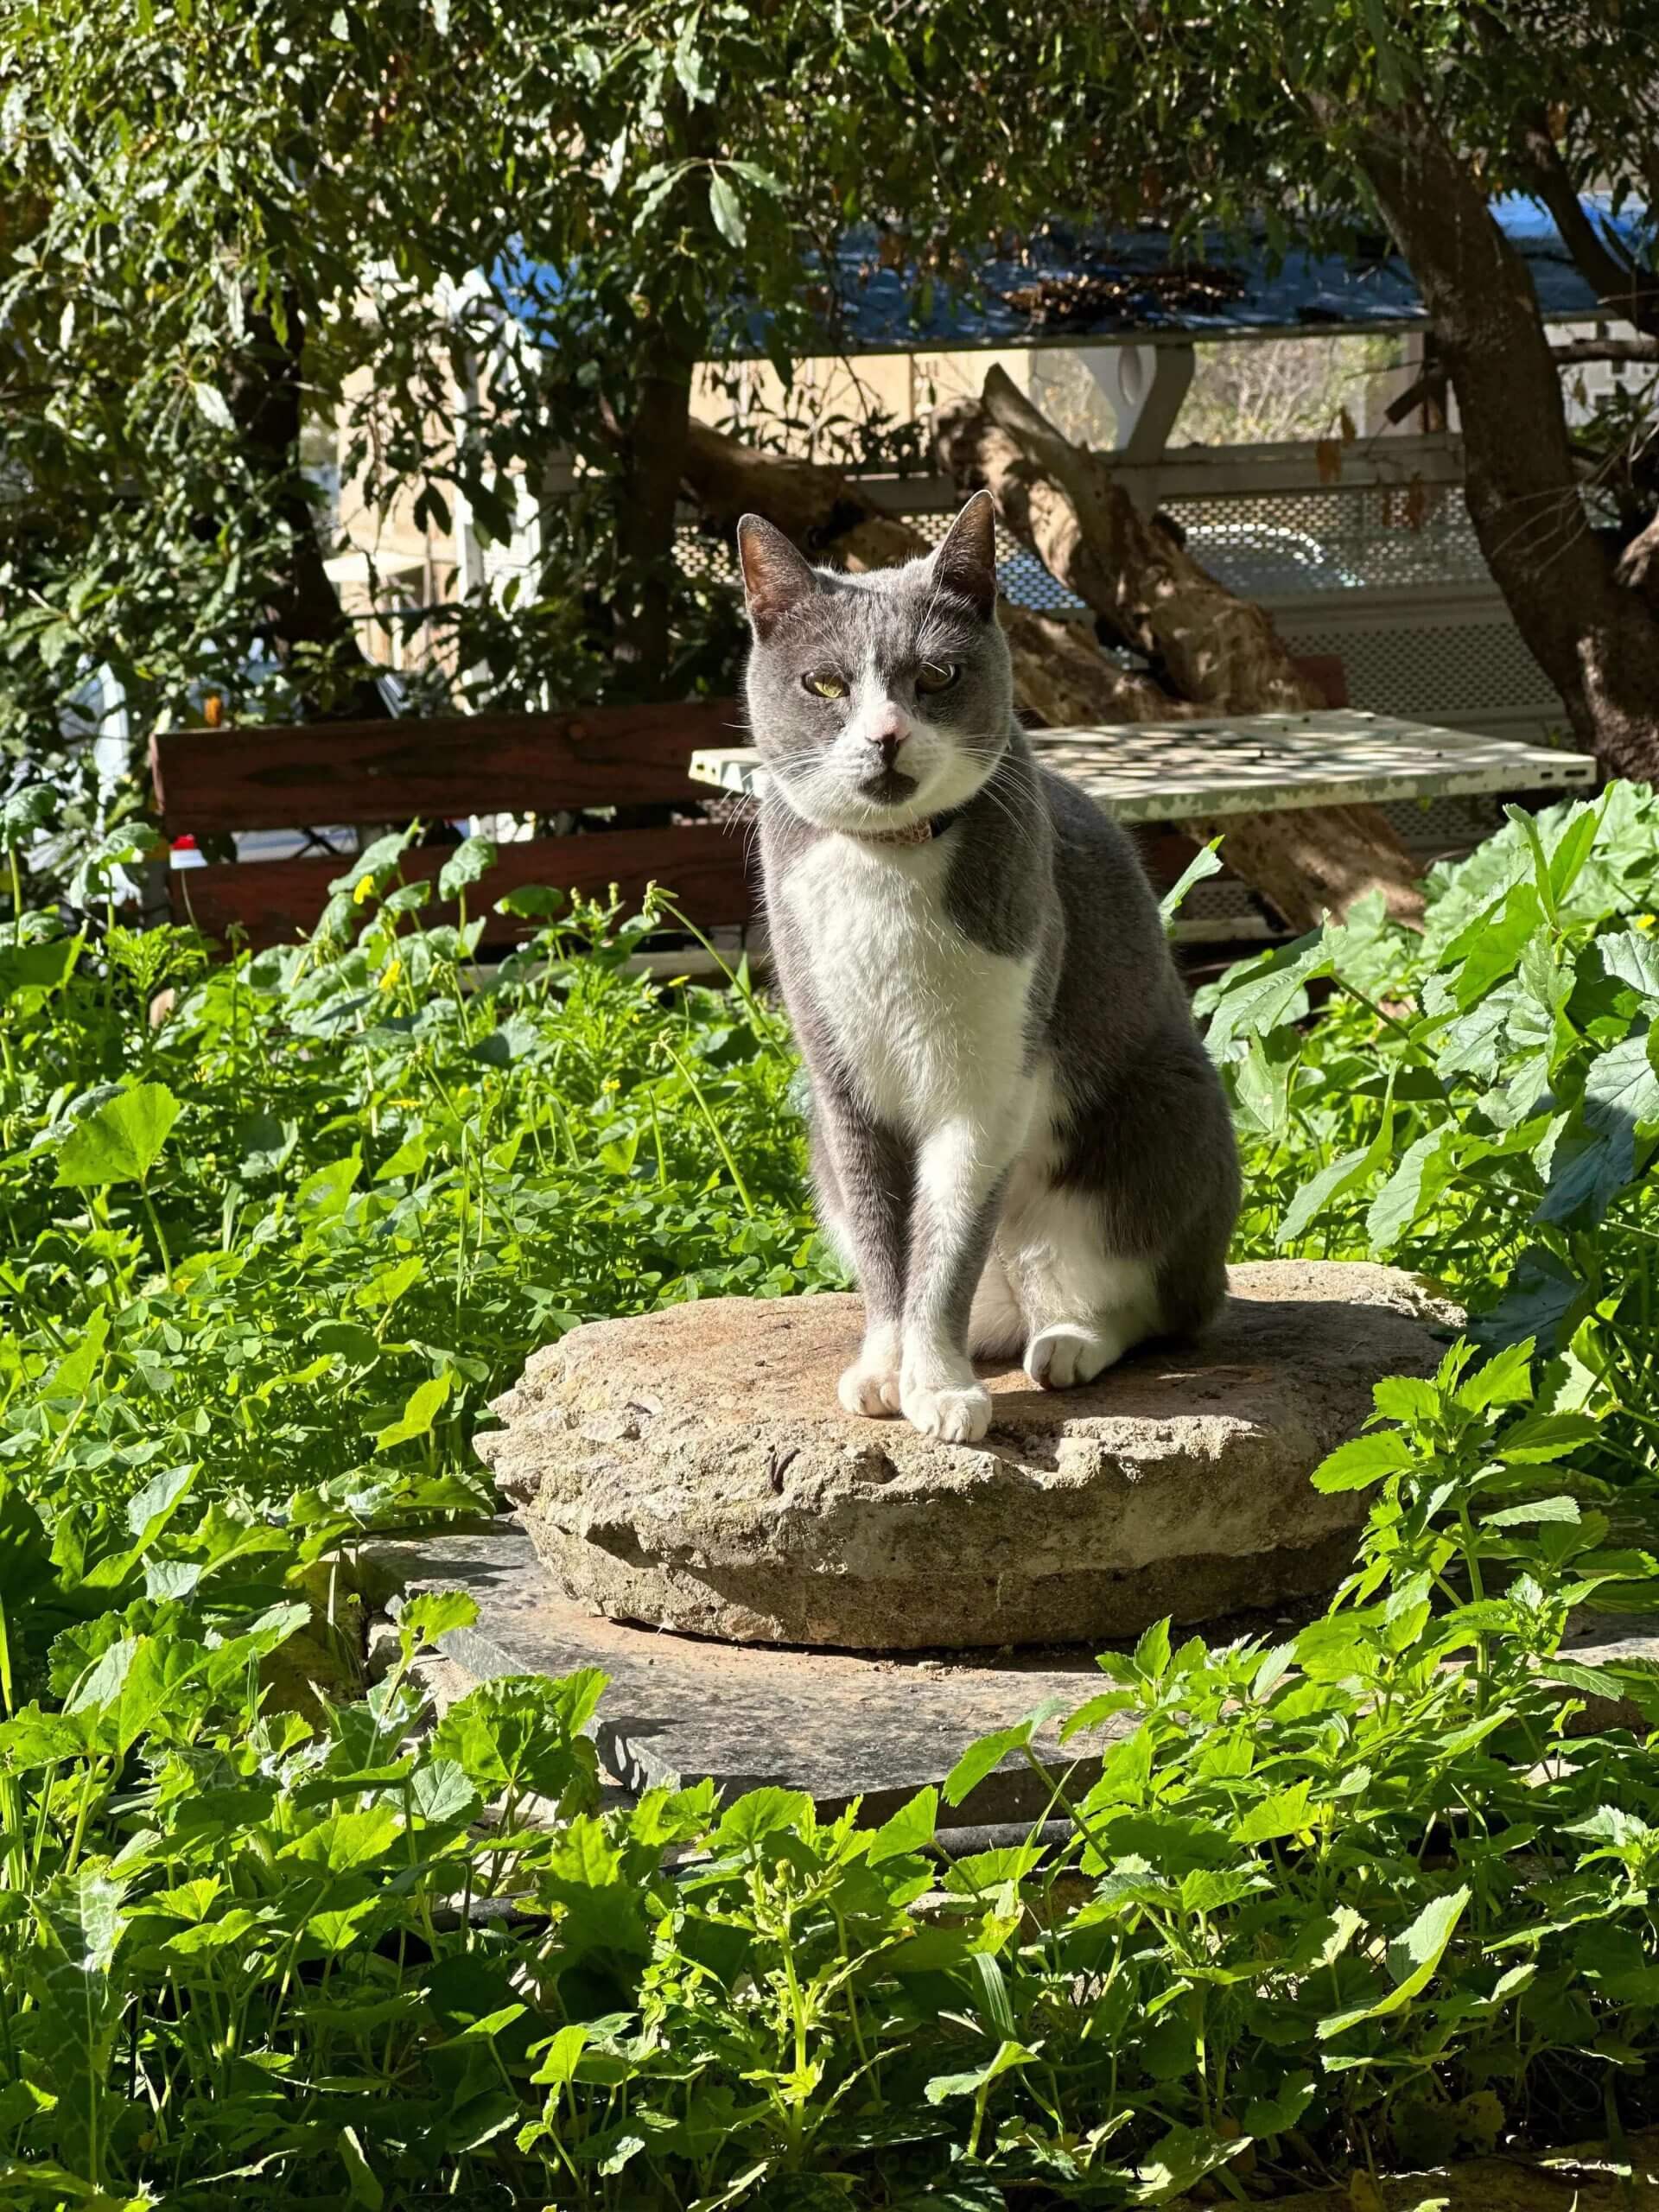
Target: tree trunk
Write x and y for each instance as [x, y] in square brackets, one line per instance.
[1058, 672]
[1061, 500]
[654, 437]
[266, 403]
[647, 493]
[1595, 638]
[1219, 650]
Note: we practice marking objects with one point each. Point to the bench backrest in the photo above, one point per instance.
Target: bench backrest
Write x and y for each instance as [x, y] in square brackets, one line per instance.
[210, 782]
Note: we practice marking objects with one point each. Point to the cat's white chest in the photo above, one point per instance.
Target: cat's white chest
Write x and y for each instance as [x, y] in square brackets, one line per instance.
[928, 1025]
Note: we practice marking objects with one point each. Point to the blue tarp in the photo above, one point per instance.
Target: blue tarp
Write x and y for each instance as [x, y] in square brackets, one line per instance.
[1072, 287]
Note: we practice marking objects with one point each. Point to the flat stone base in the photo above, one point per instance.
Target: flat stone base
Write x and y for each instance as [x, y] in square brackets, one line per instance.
[693, 1469]
[838, 1726]
[677, 1709]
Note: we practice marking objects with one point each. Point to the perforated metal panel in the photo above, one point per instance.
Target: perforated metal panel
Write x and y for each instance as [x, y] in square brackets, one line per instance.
[1427, 671]
[1334, 538]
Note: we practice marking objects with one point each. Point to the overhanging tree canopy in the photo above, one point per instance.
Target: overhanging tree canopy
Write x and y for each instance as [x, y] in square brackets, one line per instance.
[222, 220]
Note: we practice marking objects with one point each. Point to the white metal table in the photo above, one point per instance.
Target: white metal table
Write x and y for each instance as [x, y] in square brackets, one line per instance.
[1258, 764]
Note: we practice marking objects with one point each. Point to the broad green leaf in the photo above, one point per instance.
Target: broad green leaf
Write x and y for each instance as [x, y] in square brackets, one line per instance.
[982, 1757]
[1420, 1176]
[1542, 1437]
[418, 1415]
[1503, 1380]
[73, 1375]
[1592, 1682]
[362, 2181]
[760, 1813]
[1530, 1515]
[38, 968]
[1344, 1173]
[69, 1974]
[213, 406]
[1492, 945]
[1573, 849]
[429, 1617]
[1405, 1398]
[1285, 1812]
[409, 1158]
[120, 1140]
[727, 208]
[25, 813]
[1212, 1889]
[562, 2056]
[150, 1509]
[1179, 2159]
[1203, 863]
[1152, 1652]
[440, 1793]
[1630, 957]
[1269, 2116]
[472, 860]
[535, 902]
[343, 1841]
[1005, 2059]
[1621, 1087]
[386, 1288]
[1412, 1958]
[911, 1829]
[1365, 1461]
[1260, 994]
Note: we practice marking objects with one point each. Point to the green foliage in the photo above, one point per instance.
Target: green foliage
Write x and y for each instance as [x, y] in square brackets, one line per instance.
[1370, 1894]
[1481, 1102]
[251, 245]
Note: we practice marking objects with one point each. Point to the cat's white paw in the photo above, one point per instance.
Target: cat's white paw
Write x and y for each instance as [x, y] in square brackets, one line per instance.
[955, 1416]
[1060, 1357]
[870, 1387]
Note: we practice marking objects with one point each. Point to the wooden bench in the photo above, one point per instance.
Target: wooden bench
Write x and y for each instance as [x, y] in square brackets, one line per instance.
[214, 782]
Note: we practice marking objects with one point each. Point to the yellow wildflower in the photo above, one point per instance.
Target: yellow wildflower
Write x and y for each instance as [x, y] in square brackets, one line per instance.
[364, 890]
[393, 970]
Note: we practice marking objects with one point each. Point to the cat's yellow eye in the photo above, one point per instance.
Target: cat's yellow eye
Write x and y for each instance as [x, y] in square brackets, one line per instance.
[824, 683]
[937, 675]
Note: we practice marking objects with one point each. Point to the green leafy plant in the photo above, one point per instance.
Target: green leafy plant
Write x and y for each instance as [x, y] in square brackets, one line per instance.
[1480, 1102]
[1374, 1894]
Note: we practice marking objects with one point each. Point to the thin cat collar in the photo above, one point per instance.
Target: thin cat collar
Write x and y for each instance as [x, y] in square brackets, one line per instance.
[919, 833]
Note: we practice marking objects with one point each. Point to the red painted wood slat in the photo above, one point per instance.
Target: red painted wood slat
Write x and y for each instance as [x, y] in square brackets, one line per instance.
[210, 781]
[704, 868]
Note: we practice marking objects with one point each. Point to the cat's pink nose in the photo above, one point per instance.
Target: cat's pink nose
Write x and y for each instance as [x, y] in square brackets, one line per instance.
[888, 733]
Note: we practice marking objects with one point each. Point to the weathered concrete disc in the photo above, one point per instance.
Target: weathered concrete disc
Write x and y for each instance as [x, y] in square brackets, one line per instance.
[693, 1469]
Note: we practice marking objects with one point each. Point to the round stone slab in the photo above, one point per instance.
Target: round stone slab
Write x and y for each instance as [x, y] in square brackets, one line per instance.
[692, 1469]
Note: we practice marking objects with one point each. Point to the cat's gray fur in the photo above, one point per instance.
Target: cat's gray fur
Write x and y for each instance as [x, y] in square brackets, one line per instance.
[1018, 1138]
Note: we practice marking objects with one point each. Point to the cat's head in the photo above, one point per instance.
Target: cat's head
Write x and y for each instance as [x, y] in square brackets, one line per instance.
[878, 699]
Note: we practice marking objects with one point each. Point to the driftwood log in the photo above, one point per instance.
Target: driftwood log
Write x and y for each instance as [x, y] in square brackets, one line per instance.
[1219, 653]
[1059, 671]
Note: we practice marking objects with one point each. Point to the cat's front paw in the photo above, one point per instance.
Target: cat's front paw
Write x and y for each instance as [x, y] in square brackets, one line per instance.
[870, 1387]
[954, 1415]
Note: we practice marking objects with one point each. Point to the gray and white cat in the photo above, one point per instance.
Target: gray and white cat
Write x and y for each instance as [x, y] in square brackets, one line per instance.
[1018, 1140]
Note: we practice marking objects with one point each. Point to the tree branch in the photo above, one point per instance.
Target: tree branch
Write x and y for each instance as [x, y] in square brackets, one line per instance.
[1570, 354]
[1621, 286]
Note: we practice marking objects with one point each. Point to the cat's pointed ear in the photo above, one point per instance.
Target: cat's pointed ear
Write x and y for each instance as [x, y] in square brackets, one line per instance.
[966, 560]
[775, 577]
